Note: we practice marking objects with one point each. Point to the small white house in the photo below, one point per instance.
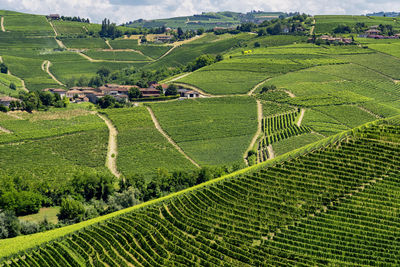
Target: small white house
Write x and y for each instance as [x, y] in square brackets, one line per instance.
[188, 93]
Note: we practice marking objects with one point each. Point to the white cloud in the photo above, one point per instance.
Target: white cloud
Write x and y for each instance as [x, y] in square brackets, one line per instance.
[126, 10]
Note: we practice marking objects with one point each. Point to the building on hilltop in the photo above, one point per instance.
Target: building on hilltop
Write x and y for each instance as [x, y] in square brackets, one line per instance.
[54, 16]
[58, 91]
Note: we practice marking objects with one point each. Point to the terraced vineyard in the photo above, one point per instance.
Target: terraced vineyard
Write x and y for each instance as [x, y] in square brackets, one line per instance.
[277, 128]
[332, 203]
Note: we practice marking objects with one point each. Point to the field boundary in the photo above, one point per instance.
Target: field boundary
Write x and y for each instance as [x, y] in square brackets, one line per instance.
[301, 116]
[112, 151]
[170, 140]
[17, 244]
[258, 132]
[108, 44]
[2, 129]
[111, 61]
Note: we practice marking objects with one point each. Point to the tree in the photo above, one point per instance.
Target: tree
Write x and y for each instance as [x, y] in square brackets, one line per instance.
[104, 72]
[71, 210]
[3, 108]
[171, 90]
[219, 57]
[9, 225]
[268, 88]
[342, 28]
[96, 81]
[31, 102]
[22, 203]
[13, 86]
[257, 44]
[203, 60]
[200, 31]
[262, 32]
[3, 68]
[106, 102]
[134, 93]
[46, 98]
[180, 32]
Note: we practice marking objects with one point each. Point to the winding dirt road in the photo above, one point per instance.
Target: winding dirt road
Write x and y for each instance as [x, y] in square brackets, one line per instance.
[302, 111]
[259, 129]
[47, 63]
[2, 24]
[257, 86]
[172, 142]
[271, 152]
[112, 152]
[5, 130]
[108, 44]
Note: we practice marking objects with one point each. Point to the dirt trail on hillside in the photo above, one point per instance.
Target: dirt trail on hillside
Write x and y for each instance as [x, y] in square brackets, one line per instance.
[1, 59]
[289, 93]
[60, 43]
[113, 61]
[108, 44]
[370, 112]
[259, 129]
[158, 127]
[257, 85]
[22, 81]
[112, 151]
[179, 77]
[2, 24]
[302, 111]
[48, 64]
[52, 26]
[312, 28]
[124, 50]
[271, 152]
[5, 130]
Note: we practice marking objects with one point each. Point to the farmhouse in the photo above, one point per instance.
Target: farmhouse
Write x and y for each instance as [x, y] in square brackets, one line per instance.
[6, 100]
[163, 38]
[53, 16]
[331, 39]
[59, 91]
[188, 93]
[373, 32]
[74, 94]
[150, 92]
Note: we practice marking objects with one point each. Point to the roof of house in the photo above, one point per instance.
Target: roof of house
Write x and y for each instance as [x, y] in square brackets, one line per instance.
[148, 90]
[74, 92]
[81, 88]
[372, 31]
[191, 92]
[59, 90]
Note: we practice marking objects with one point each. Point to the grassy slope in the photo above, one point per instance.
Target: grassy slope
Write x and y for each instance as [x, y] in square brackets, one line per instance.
[22, 243]
[141, 148]
[212, 131]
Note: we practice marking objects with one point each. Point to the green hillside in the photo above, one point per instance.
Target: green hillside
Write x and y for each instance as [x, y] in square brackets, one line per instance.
[289, 156]
[244, 222]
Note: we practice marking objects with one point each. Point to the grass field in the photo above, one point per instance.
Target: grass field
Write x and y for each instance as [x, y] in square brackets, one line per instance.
[84, 43]
[141, 148]
[49, 214]
[213, 131]
[152, 51]
[28, 25]
[5, 81]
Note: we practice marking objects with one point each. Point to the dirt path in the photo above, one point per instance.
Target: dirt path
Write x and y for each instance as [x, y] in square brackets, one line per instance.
[2, 24]
[158, 127]
[22, 81]
[289, 93]
[108, 44]
[43, 65]
[1, 59]
[177, 44]
[259, 129]
[169, 51]
[256, 87]
[302, 111]
[191, 87]
[112, 152]
[48, 64]
[179, 77]
[271, 152]
[312, 28]
[5, 130]
[60, 43]
[52, 26]
[113, 61]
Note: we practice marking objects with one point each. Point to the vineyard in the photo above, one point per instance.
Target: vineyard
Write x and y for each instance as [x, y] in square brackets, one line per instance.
[275, 214]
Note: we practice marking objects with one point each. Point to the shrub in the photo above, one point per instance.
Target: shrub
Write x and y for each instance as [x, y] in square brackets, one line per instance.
[71, 210]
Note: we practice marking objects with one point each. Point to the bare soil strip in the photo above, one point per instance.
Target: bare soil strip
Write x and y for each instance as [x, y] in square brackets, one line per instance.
[289, 93]
[312, 28]
[302, 111]
[2, 24]
[60, 43]
[54, 29]
[48, 64]
[112, 152]
[108, 44]
[5, 130]
[258, 133]
[114, 61]
[256, 87]
[179, 77]
[1, 59]
[169, 51]
[271, 152]
[158, 127]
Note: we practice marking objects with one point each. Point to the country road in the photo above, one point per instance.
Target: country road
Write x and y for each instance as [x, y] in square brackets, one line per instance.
[257, 134]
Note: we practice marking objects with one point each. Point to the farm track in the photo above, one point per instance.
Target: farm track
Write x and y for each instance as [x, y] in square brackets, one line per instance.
[301, 116]
[179, 77]
[112, 151]
[22, 81]
[194, 88]
[108, 44]
[370, 112]
[257, 134]
[47, 63]
[312, 28]
[54, 29]
[158, 127]
[257, 86]
[271, 152]
[2, 24]
[289, 93]
[178, 44]
[113, 61]
[5, 130]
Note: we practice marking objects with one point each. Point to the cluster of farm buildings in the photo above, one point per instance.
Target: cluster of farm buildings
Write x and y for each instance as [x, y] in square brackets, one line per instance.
[375, 33]
[119, 92]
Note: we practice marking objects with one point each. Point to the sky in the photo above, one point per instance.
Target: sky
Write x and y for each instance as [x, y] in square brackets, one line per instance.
[121, 11]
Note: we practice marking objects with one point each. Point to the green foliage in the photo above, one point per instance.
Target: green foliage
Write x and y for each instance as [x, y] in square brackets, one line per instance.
[3, 68]
[21, 203]
[71, 210]
[171, 90]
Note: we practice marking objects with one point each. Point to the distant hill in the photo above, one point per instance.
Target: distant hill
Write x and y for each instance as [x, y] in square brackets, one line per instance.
[208, 20]
[384, 14]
